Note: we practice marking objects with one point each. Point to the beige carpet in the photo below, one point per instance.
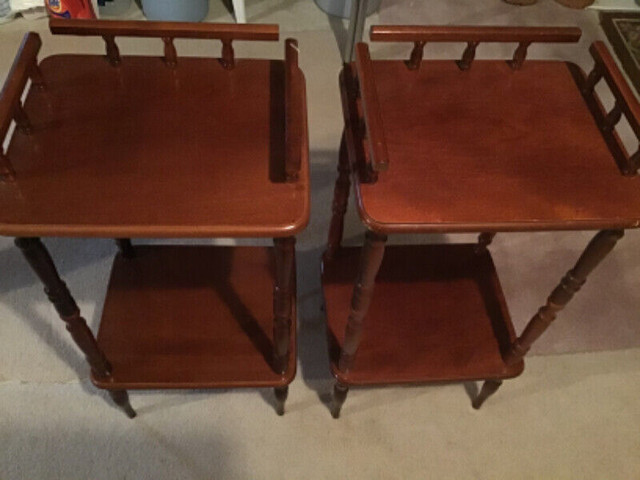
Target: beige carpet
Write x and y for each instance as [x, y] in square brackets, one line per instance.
[567, 416]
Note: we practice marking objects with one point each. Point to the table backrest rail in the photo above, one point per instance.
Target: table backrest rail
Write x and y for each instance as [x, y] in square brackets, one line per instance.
[167, 31]
[472, 35]
[626, 103]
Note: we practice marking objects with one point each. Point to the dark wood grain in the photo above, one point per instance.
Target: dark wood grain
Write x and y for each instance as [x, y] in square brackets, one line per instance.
[560, 170]
[371, 109]
[220, 31]
[219, 157]
[595, 252]
[192, 317]
[295, 105]
[414, 33]
[438, 314]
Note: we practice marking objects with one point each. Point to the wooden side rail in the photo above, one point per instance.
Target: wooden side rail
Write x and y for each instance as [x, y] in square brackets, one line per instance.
[625, 103]
[371, 109]
[108, 30]
[24, 67]
[523, 36]
[295, 124]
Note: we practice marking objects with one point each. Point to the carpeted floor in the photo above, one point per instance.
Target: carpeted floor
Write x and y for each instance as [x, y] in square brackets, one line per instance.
[570, 415]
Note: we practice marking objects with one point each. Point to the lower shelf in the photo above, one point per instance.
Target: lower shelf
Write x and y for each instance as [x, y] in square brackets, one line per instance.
[192, 317]
[438, 314]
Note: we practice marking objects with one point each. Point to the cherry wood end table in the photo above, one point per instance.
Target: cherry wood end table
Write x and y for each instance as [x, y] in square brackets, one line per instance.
[444, 146]
[141, 146]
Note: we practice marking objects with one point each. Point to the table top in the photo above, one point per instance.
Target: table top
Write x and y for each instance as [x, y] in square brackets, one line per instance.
[142, 149]
[493, 149]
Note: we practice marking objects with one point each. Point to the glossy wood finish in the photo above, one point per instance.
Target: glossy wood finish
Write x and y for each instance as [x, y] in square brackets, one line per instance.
[540, 155]
[193, 317]
[153, 175]
[512, 174]
[414, 33]
[438, 314]
[123, 28]
[123, 147]
[595, 252]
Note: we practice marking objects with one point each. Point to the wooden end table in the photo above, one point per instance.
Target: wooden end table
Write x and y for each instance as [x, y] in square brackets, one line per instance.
[443, 146]
[139, 146]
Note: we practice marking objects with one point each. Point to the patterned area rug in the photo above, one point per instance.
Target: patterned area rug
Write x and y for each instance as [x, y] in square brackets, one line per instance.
[623, 31]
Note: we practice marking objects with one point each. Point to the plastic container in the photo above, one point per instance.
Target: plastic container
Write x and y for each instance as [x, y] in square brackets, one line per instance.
[176, 10]
[6, 14]
[114, 8]
[342, 8]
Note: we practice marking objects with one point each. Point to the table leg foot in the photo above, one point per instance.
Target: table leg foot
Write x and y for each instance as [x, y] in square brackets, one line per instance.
[489, 387]
[340, 392]
[281, 397]
[121, 398]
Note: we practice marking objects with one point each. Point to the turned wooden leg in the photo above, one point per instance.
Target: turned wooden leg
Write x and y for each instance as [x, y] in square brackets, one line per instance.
[370, 261]
[121, 398]
[282, 307]
[340, 200]
[596, 250]
[484, 240]
[489, 387]
[42, 264]
[125, 247]
[339, 396]
[281, 396]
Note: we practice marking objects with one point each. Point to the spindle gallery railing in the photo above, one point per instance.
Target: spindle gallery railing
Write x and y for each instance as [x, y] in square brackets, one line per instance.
[24, 67]
[625, 103]
[523, 36]
[364, 83]
[167, 31]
